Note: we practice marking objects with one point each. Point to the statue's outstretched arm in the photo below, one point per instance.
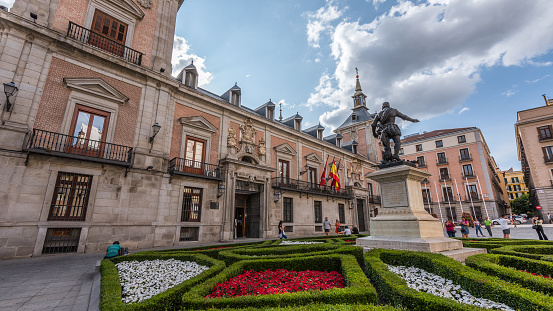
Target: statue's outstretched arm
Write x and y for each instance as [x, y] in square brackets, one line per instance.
[407, 118]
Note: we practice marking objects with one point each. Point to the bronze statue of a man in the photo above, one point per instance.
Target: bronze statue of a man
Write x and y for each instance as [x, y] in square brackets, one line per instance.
[387, 129]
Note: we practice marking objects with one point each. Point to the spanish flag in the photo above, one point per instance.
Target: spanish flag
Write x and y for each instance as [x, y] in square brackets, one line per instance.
[334, 175]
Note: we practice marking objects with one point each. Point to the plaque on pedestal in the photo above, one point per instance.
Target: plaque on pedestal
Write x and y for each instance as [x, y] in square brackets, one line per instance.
[402, 222]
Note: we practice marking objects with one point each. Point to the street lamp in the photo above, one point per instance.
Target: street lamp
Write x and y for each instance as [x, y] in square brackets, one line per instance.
[155, 129]
[277, 195]
[220, 190]
[10, 89]
[306, 168]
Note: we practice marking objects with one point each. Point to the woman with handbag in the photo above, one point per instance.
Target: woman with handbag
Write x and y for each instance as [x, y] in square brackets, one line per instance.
[338, 227]
[465, 228]
[537, 225]
[450, 228]
[281, 231]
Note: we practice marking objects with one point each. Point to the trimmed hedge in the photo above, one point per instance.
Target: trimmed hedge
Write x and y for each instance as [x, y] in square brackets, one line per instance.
[210, 250]
[394, 290]
[171, 299]
[232, 256]
[538, 252]
[358, 288]
[321, 307]
[507, 268]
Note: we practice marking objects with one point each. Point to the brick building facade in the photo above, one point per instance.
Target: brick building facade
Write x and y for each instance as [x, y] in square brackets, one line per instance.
[101, 143]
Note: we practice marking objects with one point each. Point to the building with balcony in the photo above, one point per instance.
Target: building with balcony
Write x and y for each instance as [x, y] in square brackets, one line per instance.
[534, 137]
[514, 181]
[465, 177]
[101, 143]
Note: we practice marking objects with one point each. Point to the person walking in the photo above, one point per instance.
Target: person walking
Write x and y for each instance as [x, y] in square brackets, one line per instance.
[327, 226]
[450, 228]
[537, 224]
[489, 225]
[478, 227]
[281, 234]
[464, 228]
[549, 218]
[504, 223]
[514, 221]
[338, 229]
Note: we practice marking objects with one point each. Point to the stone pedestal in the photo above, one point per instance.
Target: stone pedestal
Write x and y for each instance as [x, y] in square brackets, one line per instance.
[402, 222]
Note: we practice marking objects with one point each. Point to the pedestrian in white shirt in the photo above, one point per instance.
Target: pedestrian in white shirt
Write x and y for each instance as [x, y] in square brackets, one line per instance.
[347, 231]
[504, 222]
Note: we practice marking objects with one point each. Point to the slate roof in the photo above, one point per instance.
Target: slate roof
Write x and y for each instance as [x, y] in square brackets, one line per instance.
[290, 120]
[262, 110]
[435, 133]
[313, 130]
[362, 114]
[349, 145]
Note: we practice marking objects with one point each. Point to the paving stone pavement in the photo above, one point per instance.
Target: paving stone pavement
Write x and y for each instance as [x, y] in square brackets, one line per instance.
[70, 282]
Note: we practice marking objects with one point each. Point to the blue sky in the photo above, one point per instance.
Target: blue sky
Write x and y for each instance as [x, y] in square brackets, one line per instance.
[449, 63]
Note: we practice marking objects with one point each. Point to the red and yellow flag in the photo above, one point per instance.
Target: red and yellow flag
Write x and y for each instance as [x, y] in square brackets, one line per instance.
[334, 175]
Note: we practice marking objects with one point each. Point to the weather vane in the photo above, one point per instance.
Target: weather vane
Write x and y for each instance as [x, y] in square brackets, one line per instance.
[356, 71]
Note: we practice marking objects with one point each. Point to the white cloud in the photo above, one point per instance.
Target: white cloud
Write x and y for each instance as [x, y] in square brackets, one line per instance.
[425, 57]
[182, 58]
[464, 109]
[319, 22]
[286, 105]
[538, 79]
[376, 3]
[509, 93]
[7, 3]
[317, 60]
[247, 76]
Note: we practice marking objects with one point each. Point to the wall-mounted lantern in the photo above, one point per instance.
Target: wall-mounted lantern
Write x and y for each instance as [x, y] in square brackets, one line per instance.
[10, 89]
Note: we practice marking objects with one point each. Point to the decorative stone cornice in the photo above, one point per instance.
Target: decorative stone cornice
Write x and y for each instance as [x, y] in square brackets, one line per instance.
[96, 87]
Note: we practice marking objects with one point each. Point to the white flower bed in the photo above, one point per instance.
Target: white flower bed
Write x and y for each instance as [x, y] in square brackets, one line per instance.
[423, 281]
[141, 280]
[298, 242]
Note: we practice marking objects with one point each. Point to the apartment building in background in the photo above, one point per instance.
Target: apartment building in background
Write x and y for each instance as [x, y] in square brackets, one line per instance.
[464, 177]
[534, 137]
[514, 181]
[101, 143]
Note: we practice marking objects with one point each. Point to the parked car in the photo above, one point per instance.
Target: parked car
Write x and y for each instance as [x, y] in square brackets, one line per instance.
[518, 219]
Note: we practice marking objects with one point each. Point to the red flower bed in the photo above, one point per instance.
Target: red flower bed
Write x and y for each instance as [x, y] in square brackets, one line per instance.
[543, 276]
[277, 282]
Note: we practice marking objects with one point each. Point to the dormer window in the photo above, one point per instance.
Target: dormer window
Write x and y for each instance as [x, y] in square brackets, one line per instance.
[235, 98]
[190, 80]
[353, 117]
[319, 134]
[297, 125]
[354, 149]
[338, 142]
[270, 113]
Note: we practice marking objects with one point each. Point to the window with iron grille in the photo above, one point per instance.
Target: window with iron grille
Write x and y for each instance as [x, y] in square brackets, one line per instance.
[61, 240]
[189, 234]
[191, 204]
[70, 198]
[341, 213]
[318, 211]
[288, 210]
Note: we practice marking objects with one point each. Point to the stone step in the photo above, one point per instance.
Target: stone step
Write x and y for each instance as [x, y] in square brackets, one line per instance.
[462, 253]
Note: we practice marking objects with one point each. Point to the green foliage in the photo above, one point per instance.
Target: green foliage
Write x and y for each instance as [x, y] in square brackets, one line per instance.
[539, 252]
[358, 288]
[321, 307]
[468, 216]
[508, 268]
[171, 299]
[521, 205]
[394, 290]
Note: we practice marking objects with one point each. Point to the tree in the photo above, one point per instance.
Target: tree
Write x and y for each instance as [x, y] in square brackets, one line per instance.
[521, 205]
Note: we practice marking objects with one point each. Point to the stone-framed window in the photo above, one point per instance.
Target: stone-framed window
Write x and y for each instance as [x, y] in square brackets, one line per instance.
[544, 132]
[444, 173]
[441, 158]
[189, 234]
[284, 171]
[194, 154]
[461, 139]
[464, 154]
[426, 196]
[110, 27]
[312, 176]
[418, 147]
[467, 170]
[472, 192]
[288, 210]
[70, 199]
[447, 193]
[421, 162]
[89, 127]
[439, 143]
[341, 213]
[318, 211]
[191, 204]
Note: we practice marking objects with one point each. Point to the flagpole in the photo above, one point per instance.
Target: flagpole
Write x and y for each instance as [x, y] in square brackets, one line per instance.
[483, 199]
[470, 196]
[458, 194]
[449, 202]
[439, 205]
[427, 200]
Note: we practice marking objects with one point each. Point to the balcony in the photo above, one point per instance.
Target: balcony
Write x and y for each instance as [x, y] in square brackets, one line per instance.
[61, 145]
[421, 164]
[425, 181]
[375, 199]
[445, 178]
[86, 36]
[465, 158]
[473, 197]
[308, 187]
[441, 161]
[184, 167]
[452, 200]
[469, 176]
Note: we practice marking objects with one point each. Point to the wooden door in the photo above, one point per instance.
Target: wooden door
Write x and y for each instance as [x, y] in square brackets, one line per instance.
[240, 215]
[194, 155]
[89, 131]
[108, 33]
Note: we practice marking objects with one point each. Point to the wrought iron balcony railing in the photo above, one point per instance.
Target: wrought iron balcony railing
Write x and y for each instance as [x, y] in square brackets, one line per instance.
[180, 166]
[445, 178]
[308, 187]
[61, 145]
[441, 161]
[474, 197]
[465, 158]
[86, 36]
[468, 176]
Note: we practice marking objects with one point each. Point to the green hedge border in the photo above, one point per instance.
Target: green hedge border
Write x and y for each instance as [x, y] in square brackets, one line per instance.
[527, 251]
[358, 288]
[394, 290]
[320, 307]
[171, 299]
[507, 268]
